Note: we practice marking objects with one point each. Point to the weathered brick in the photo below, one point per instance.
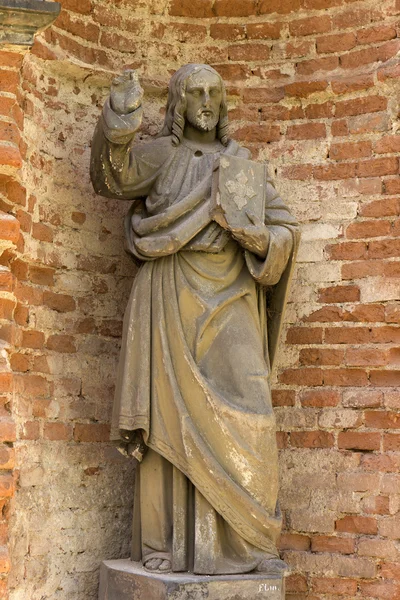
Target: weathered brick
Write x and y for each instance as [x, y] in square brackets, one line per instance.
[358, 440]
[336, 43]
[356, 524]
[91, 432]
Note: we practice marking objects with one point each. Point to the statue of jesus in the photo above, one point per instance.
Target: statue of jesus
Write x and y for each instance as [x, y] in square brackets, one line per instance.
[193, 395]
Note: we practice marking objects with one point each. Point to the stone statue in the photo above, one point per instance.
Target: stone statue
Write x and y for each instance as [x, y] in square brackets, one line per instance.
[201, 328]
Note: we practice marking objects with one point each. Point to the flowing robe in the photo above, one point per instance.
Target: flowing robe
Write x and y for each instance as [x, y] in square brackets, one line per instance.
[194, 372]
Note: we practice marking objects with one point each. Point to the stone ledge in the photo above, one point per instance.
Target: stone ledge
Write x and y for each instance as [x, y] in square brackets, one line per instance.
[127, 580]
[20, 20]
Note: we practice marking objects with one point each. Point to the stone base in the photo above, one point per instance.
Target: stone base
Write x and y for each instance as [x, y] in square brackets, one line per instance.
[127, 580]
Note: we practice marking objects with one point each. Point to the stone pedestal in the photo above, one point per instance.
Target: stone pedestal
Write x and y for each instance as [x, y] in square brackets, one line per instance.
[127, 580]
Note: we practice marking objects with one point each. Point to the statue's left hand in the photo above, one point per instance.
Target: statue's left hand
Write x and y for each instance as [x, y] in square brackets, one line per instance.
[253, 237]
[132, 444]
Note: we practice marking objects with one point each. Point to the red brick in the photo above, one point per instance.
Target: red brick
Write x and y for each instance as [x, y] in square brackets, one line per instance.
[317, 357]
[347, 251]
[306, 131]
[6, 309]
[225, 31]
[378, 167]
[20, 362]
[345, 377]
[350, 151]
[302, 89]
[7, 430]
[227, 8]
[294, 541]
[263, 31]
[41, 275]
[320, 398]
[9, 81]
[369, 123]
[310, 25]
[356, 524]
[392, 186]
[309, 67]
[372, 35]
[57, 431]
[30, 430]
[305, 376]
[9, 227]
[279, 6]
[339, 128]
[391, 442]
[353, 84]
[336, 43]
[358, 357]
[380, 589]
[312, 439]
[354, 60]
[358, 270]
[384, 248]
[91, 432]
[392, 313]
[249, 52]
[358, 440]
[381, 208]
[339, 294]
[336, 587]
[7, 485]
[83, 7]
[325, 543]
[389, 144]
[6, 381]
[382, 419]
[6, 281]
[390, 571]
[7, 460]
[360, 106]
[335, 171]
[258, 133]
[296, 583]
[88, 31]
[282, 439]
[368, 229]
[283, 397]
[351, 19]
[9, 132]
[42, 232]
[262, 95]
[380, 463]
[385, 335]
[32, 385]
[32, 339]
[362, 399]
[377, 505]
[298, 49]
[298, 172]
[61, 343]
[59, 302]
[304, 335]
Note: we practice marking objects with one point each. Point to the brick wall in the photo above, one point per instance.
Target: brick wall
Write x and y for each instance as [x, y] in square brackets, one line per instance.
[313, 88]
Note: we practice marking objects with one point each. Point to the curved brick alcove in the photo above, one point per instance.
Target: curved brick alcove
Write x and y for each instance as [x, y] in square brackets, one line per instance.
[313, 88]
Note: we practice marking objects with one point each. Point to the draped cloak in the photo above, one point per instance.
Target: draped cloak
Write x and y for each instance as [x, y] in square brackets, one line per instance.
[200, 328]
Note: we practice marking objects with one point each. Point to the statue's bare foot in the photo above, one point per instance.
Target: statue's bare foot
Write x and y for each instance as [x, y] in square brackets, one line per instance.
[160, 565]
[272, 565]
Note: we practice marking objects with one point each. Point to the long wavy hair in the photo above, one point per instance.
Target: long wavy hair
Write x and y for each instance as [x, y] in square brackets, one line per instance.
[174, 122]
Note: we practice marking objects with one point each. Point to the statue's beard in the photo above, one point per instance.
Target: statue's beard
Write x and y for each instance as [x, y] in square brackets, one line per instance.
[204, 121]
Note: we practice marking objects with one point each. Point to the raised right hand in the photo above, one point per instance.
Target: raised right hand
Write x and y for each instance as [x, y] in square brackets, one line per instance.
[126, 93]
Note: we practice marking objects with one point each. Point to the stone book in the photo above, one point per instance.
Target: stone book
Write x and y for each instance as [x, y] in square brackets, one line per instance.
[238, 190]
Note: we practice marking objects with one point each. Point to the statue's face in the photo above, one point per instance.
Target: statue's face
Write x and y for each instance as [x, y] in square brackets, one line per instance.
[203, 100]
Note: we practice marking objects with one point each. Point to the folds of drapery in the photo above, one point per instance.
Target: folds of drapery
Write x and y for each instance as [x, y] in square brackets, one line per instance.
[216, 425]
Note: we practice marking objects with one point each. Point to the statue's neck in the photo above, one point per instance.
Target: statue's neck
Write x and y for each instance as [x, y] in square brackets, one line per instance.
[198, 136]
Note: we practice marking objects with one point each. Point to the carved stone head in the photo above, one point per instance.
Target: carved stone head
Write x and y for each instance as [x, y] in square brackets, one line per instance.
[177, 104]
